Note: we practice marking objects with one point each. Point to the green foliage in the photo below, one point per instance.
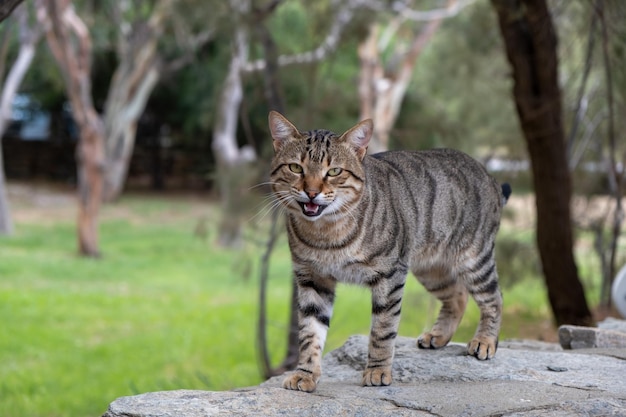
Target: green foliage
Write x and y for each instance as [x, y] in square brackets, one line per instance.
[517, 259]
[462, 91]
[460, 94]
[292, 18]
[580, 27]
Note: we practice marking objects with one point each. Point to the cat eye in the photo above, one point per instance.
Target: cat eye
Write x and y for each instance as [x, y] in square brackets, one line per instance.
[295, 168]
[333, 172]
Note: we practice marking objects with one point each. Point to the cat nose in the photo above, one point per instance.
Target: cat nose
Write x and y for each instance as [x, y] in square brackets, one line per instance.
[312, 193]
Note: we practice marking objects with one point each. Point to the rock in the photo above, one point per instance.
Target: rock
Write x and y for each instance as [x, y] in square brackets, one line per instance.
[611, 323]
[580, 337]
[529, 345]
[519, 381]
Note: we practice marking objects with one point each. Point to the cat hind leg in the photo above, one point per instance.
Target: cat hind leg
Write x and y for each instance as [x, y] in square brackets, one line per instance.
[453, 297]
[485, 341]
[482, 284]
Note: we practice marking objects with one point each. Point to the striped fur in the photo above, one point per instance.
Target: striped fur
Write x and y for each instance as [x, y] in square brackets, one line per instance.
[369, 220]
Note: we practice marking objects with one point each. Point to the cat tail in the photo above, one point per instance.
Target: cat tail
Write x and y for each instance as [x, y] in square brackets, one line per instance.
[506, 192]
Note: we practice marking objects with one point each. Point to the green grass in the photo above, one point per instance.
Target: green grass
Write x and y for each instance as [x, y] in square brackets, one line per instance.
[163, 309]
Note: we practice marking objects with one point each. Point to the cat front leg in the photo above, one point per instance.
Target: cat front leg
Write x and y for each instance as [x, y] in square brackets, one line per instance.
[315, 307]
[386, 307]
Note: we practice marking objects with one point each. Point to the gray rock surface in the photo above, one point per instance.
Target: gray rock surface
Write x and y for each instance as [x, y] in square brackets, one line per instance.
[611, 323]
[580, 337]
[524, 379]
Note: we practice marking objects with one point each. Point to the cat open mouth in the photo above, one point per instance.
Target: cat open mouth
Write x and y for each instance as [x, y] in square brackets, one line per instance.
[311, 209]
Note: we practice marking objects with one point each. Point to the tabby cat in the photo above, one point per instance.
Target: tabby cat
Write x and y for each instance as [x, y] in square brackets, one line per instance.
[369, 219]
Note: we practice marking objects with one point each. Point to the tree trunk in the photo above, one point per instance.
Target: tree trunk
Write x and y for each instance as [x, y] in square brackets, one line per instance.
[230, 157]
[125, 104]
[531, 46]
[90, 163]
[70, 43]
[133, 81]
[381, 89]
[29, 37]
[6, 223]
[7, 7]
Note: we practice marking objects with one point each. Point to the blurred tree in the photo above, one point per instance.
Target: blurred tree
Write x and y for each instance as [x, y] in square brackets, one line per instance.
[7, 7]
[29, 36]
[594, 89]
[460, 94]
[133, 80]
[615, 163]
[140, 66]
[382, 86]
[531, 47]
[69, 40]
[107, 142]
[232, 173]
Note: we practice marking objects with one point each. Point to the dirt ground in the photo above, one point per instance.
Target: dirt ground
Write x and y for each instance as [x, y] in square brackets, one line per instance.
[47, 203]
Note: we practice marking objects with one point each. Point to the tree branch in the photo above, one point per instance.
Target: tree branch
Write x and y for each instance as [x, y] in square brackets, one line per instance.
[422, 39]
[579, 111]
[224, 132]
[615, 176]
[29, 36]
[194, 43]
[451, 10]
[328, 45]
[7, 7]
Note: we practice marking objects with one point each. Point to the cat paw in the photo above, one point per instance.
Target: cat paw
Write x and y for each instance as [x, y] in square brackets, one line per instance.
[482, 348]
[375, 377]
[300, 381]
[430, 340]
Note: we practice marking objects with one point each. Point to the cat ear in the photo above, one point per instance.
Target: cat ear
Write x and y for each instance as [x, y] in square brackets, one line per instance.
[359, 137]
[282, 130]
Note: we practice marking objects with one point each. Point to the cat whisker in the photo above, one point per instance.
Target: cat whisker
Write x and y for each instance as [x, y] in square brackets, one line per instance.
[266, 209]
[271, 203]
[351, 211]
[267, 199]
[262, 184]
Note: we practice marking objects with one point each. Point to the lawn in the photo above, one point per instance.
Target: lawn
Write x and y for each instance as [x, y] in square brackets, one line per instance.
[164, 308]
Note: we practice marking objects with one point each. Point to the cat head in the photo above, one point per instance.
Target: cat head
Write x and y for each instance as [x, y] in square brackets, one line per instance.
[318, 173]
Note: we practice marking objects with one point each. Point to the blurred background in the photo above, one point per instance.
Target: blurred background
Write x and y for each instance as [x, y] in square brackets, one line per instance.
[140, 249]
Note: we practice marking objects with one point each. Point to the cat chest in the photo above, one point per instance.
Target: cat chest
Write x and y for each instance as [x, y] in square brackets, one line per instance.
[350, 254]
[348, 265]
[334, 258]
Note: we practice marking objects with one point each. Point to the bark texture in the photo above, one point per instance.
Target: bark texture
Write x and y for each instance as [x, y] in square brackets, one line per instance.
[69, 40]
[531, 47]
